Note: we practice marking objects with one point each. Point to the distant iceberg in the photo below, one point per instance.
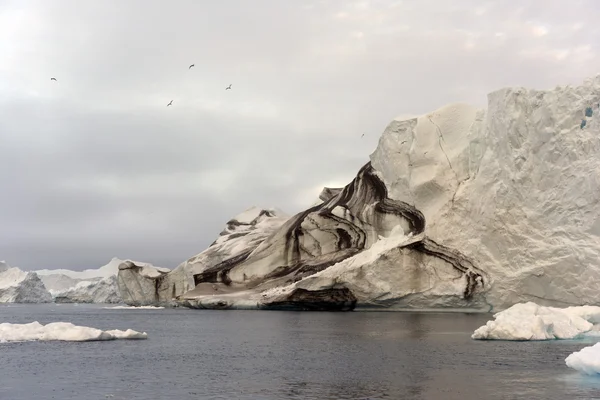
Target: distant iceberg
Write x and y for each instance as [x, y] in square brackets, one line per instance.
[99, 291]
[112, 268]
[88, 286]
[530, 321]
[18, 286]
[63, 331]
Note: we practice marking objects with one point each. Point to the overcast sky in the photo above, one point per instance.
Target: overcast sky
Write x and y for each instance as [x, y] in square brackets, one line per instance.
[95, 165]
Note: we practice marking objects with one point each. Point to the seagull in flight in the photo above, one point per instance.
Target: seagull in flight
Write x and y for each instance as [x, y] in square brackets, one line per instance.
[190, 67]
[171, 102]
[228, 87]
[53, 79]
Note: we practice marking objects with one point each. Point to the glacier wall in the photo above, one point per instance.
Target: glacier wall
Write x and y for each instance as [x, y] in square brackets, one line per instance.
[515, 187]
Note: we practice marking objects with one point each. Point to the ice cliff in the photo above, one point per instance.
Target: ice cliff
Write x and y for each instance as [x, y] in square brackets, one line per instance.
[18, 286]
[458, 208]
[104, 290]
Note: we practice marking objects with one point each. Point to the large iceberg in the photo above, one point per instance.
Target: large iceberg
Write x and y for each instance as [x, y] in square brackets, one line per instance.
[530, 321]
[458, 208]
[63, 331]
[18, 286]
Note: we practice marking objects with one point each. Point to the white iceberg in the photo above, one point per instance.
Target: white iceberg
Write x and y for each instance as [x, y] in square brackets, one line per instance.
[530, 321]
[18, 286]
[101, 291]
[89, 286]
[63, 331]
[134, 308]
[587, 360]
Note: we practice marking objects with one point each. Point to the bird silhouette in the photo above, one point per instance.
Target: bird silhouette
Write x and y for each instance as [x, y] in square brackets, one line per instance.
[362, 135]
[190, 67]
[53, 79]
[171, 102]
[228, 87]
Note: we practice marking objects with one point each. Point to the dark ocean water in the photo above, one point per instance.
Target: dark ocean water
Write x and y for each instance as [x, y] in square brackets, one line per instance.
[193, 354]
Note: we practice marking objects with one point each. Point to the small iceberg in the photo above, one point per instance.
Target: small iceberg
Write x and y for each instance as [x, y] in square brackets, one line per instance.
[530, 321]
[63, 331]
[133, 308]
[586, 360]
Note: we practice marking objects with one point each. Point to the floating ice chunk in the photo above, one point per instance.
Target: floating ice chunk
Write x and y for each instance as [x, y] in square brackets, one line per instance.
[133, 308]
[587, 360]
[530, 321]
[64, 331]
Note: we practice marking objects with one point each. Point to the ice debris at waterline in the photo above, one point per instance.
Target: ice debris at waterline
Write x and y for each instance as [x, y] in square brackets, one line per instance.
[63, 331]
[586, 360]
[530, 321]
[133, 308]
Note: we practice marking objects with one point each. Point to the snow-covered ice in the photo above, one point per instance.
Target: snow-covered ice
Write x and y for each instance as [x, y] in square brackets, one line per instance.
[63, 331]
[18, 286]
[91, 285]
[530, 321]
[104, 290]
[112, 268]
[134, 308]
[586, 360]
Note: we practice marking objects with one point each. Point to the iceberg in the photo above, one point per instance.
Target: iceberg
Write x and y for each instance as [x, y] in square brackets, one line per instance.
[530, 321]
[460, 208]
[88, 286]
[18, 286]
[133, 308]
[587, 360]
[100, 291]
[89, 274]
[63, 331]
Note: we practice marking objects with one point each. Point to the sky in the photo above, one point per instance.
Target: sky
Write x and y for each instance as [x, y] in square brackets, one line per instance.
[95, 165]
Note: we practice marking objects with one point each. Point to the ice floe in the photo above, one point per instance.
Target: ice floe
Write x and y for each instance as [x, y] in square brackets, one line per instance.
[530, 321]
[63, 331]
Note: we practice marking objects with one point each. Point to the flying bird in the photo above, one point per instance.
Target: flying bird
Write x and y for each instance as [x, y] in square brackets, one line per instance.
[171, 102]
[228, 87]
[53, 79]
[362, 135]
[190, 67]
